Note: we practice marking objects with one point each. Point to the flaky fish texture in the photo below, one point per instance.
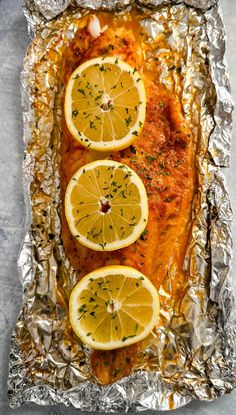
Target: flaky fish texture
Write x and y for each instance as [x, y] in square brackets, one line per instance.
[163, 158]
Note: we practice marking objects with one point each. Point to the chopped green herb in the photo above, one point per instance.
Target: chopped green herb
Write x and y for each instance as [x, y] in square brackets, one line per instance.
[132, 149]
[122, 42]
[128, 121]
[115, 372]
[75, 113]
[102, 68]
[143, 234]
[178, 163]
[150, 158]
[92, 125]
[81, 91]
[128, 337]
[98, 97]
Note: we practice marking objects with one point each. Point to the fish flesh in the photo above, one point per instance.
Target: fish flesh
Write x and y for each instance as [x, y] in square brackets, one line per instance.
[162, 156]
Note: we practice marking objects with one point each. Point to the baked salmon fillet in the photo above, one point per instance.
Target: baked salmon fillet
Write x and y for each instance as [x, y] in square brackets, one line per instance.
[163, 158]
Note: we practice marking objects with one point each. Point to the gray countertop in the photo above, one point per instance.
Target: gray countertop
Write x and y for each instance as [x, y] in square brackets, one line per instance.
[13, 44]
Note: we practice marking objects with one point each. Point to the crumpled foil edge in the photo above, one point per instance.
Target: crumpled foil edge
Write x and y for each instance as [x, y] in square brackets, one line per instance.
[39, 11]
[149, 387]
[219, 144]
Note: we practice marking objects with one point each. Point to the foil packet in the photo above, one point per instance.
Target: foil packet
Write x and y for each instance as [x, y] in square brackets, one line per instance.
[195, 357]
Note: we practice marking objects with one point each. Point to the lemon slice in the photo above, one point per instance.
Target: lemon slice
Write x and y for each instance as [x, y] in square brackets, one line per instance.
[113, 307]
[106, 205]
[105, 104]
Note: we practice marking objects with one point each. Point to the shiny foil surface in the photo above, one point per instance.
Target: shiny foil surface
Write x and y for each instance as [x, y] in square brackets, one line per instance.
[192, 353]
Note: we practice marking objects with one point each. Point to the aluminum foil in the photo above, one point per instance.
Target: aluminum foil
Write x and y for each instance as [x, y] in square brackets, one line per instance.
[195, 352]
